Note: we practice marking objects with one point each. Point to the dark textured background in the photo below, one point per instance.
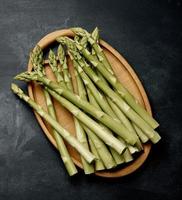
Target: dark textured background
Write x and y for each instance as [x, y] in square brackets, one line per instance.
[149, 35]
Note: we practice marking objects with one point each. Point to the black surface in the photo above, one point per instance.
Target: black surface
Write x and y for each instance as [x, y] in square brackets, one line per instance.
[149, 35]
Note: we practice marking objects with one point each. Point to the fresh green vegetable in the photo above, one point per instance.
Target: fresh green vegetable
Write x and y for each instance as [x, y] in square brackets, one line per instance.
[88, 168]
[114, 125]
[64, 133]
[104, 67]
[130, 113]
[37, 62]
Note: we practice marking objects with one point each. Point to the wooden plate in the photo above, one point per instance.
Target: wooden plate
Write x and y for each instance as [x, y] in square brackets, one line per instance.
[125, 74]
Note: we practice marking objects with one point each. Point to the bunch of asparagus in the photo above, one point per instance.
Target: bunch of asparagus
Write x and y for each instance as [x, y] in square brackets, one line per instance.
[110, 124]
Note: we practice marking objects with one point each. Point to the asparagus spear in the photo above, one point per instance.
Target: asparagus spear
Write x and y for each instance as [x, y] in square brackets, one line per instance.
[88, 168]
[117, 85]
[96, 93]
[63, 62]
[127, 155]
[108, 74]
[98, 162]
[122, 118]
[114, 125]
[103, 154]
[101, 149]
[93, 40]
[131, 114]
[37, 62]
[82, 93]
[90, 123]
[140, 134]
[130, 125]
[64, 133]
[118, 158]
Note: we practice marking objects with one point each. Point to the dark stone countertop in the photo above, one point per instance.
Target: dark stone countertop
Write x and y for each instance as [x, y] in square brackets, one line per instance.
[149, 35]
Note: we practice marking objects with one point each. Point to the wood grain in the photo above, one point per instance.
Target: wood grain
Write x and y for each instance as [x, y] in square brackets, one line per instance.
[125, 74]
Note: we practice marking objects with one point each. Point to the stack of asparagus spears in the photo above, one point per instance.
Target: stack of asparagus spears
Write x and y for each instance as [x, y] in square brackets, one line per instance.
[110, 124]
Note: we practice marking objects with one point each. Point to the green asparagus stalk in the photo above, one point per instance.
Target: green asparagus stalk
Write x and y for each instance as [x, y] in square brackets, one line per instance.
[82, 93]
[105, 68]
[103, 155]
[117, 157]
[127, 155]
[130, 125]
[96, 93]
[64, 133]
[122, 118]
[93, 40]
[37, 62]
[114, 125]
[131, 114]
[117, 111]
[140, 134]
[55, 68]
[98, 162]
[125, 121]
[63, 61]
[110, 140]
[81, 136]
[59, 141]
[117, 85]
[101, 149]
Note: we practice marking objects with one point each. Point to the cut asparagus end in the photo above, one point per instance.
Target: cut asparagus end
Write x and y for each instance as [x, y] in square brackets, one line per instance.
[98, 162]
[127, 156]
[155, 138]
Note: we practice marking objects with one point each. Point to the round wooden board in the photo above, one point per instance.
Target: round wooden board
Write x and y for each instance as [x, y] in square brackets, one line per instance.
[124, 73]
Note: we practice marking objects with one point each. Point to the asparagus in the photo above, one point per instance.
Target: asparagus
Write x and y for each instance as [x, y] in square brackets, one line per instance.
[140, 134]
[117, 85]
[87, 107]
[110, 140]
[131, 114]
[82, 93]
[127, 155]
[88, 168]
[130, 125]
[93, 40]
[37, 62]
[101, 149]
[64, 133]
[125, 121]
[81, 136]
[104, 155]
[98, 163]
[63, 61]
[118, 158]
[96, 93]
[122, 118]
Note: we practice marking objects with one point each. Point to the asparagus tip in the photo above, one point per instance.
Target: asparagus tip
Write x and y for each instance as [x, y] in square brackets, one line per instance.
[61, 53]
[79, 31]
[95, 33]
[14, 87]
[51, 54]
